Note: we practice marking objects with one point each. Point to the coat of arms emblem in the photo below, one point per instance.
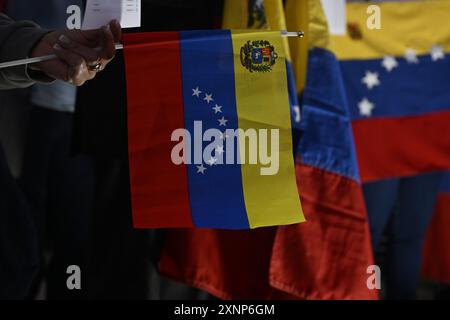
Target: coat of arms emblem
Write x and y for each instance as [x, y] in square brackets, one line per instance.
[258, 56]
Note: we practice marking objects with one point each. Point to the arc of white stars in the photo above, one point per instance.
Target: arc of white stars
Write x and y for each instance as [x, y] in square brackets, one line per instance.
[366, 107]
[371, 80]
[389, 63]
[201, 169]
[196, 92]
[222, 122]
[217, 109]
[208, 98]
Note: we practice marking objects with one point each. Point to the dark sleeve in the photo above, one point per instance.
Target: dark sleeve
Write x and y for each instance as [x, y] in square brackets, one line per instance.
[17, 39]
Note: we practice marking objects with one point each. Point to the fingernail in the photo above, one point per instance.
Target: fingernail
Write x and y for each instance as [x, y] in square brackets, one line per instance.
[64, 39]
[56, 46]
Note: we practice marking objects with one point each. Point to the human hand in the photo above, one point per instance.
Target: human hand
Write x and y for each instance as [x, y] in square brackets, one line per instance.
[81, 53]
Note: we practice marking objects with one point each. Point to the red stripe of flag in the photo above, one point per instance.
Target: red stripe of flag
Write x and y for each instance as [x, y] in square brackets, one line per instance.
[226, 263]
[402, 146]
[327, 257]
[155, 110]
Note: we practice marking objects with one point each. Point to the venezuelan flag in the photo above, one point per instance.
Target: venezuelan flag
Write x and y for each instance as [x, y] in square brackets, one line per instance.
[396, 80]
[225, 80]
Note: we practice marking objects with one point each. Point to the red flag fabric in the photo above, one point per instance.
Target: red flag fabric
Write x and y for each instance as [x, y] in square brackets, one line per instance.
[227, 264]
[327, 257]
[150, 127]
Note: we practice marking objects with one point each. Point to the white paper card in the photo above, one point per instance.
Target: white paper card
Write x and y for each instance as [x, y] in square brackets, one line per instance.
[336, 16]
[100, 12]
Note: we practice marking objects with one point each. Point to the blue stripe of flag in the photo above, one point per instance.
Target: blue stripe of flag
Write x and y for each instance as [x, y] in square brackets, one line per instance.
[216, 197]
[409, 89]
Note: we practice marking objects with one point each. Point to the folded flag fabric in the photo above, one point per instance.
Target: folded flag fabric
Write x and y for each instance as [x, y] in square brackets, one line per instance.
[326, 257]
[209, 130]
[436, 258]
[397, 87]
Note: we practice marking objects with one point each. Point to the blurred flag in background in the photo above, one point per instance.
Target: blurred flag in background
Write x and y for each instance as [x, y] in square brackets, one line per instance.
[396, 82]
[327, 258]
[324, 258]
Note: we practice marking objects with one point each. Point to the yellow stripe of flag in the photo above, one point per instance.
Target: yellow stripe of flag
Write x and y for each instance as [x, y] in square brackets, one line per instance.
[280, 203]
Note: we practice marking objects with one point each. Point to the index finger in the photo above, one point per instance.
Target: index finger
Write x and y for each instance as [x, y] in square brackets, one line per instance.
[90, 36]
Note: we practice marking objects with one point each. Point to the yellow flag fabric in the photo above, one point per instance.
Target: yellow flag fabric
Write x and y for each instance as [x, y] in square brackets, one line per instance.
[401, 30]
[265, 112]
[297, 15]
[268, 15]
[235, 14]
[306, 16]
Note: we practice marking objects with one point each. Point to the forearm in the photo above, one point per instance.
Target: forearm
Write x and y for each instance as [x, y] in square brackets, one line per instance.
[17, 39]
